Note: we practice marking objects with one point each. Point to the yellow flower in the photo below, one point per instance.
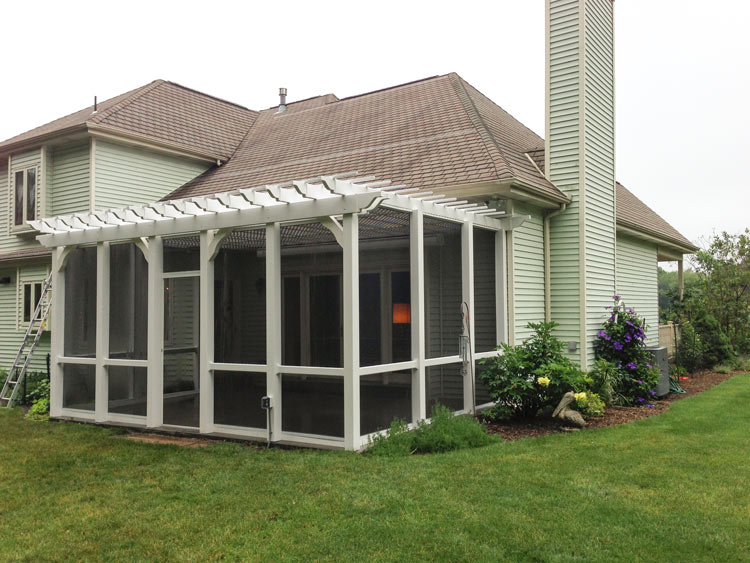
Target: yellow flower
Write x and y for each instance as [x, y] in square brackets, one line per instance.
[580, 397]
[543, 381]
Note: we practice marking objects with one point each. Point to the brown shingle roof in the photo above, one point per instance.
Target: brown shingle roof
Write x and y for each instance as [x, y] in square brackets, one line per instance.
[636, 215]
[164, 112]
[431, 133]
[633, 213]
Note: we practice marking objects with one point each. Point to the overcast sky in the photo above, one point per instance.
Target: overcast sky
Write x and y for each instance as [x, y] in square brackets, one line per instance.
[682, 72]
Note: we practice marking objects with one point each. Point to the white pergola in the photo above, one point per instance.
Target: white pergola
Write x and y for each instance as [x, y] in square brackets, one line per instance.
[337, 202]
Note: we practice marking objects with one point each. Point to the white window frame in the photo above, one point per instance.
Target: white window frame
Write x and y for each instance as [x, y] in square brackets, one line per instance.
[22, 322]
[24, 226]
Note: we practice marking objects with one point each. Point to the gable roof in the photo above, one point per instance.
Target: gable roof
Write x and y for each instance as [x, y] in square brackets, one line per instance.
[634, 214]
[161, 112]
[434, 133]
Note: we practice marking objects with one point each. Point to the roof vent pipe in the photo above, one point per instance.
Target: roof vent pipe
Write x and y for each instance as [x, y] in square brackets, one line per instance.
[95, 104]
[282, 100]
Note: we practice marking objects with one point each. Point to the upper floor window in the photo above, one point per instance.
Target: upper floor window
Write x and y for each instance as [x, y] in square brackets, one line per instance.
[24, 208]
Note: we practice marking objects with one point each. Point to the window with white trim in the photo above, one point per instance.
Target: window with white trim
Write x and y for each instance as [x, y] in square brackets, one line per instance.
[25, 184]
[32, 293]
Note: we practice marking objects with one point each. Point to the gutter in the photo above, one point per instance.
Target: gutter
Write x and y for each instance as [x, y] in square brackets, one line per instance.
[547, 283]
[635, 233]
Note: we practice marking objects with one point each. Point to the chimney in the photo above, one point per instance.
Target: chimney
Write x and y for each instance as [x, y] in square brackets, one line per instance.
[580, 160]
[282, 100]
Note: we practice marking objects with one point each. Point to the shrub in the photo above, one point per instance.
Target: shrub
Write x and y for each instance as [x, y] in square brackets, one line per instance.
[716, 345]
[39, 410]
[723, 369]
[741, 364]
[606, 381]
[689, 349]
[443, 432]
[526, 378]
[589, 404]
[621, 342]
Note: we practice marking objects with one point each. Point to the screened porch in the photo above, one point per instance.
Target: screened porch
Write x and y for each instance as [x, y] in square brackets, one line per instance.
[308, 313]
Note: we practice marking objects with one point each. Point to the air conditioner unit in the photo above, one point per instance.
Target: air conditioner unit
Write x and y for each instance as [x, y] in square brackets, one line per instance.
[659, 354]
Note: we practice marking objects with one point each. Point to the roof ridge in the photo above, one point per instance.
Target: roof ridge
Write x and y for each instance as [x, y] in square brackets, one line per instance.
[391, 88]
[222, 100]
[127, 101]
[480, 126]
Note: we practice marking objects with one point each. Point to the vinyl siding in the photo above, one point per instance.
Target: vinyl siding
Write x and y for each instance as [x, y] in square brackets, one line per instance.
[564, 166]
[528, 271]
[11, 328]
[69, 189]
[599, 165]
[582, 164]
[126, 175]
[637, 281]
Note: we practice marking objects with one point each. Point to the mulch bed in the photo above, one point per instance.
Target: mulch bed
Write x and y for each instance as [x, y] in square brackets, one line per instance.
[518, 429]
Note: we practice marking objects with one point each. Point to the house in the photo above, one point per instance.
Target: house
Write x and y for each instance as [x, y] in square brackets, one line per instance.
[268, 270]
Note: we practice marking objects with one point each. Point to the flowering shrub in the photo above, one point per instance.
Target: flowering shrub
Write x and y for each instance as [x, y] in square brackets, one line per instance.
[621, 342]
[526, 378]
[589, 404]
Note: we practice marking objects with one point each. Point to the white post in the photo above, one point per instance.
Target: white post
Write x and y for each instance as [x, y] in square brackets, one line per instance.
[101, 401]
[206, 336]
[418, 380]
[155, 387]
[352, 438]
[57, 327]
[501, 288]
[273, 326]
[467, 296]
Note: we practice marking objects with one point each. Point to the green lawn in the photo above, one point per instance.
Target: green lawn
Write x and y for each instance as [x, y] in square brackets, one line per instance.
[670, 488]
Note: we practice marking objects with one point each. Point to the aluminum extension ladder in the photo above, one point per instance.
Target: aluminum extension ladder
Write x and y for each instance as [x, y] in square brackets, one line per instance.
[31, 339]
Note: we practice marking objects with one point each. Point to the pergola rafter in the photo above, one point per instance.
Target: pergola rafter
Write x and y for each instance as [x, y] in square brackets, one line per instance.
[324, 196]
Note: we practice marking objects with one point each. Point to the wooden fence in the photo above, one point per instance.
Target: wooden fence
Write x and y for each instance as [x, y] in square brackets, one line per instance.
[669, 334]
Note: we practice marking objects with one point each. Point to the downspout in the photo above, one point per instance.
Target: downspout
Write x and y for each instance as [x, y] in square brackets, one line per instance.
[547, 283]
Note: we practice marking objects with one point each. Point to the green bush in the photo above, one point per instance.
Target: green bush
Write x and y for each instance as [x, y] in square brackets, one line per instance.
[526, 378]
[717, 347]
[37, 387]
[723, 369]
[39, 410]
[606, 381]
[621, 342]
[589, 404]
[741, 363]
[443, 432]
[689, 349]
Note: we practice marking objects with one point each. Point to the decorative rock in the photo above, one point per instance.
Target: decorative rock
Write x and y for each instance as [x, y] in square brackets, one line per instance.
[568, 415]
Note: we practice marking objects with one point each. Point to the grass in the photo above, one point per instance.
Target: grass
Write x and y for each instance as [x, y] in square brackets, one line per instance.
[669, 488]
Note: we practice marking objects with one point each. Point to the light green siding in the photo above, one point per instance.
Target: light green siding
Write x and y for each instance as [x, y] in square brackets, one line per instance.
[581, 163]
[563, 165]
[637, 281]
[69, 186]
[528, 271]
[11, 327]
[126, 175]
[599, 164]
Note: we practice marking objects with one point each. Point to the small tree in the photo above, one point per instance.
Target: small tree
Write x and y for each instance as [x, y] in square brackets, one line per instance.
[724, 270]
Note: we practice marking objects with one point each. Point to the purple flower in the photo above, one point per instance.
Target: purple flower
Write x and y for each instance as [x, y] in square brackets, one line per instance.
[601, 334]
[607, 338]
[640, 382]
[616, 297]
[629, 309]
[617, 345]
[652, 393]
[628, 338]
[632, 365]
[651, 406]
[648, 365]
[640, 399]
